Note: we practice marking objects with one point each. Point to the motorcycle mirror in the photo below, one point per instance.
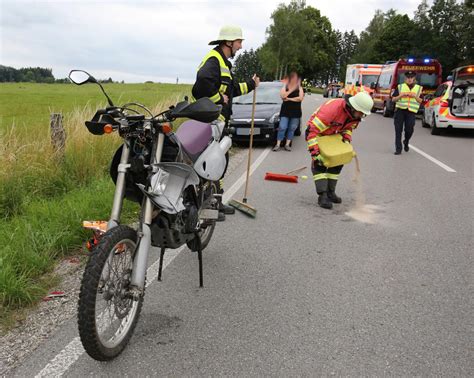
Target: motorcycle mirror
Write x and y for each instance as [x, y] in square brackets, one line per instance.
[79, 77]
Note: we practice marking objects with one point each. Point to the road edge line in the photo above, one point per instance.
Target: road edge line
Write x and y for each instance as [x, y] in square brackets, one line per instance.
[61, 363]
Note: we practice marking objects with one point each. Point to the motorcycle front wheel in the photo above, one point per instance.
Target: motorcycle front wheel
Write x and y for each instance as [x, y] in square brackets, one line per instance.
[205, 234]
[107, 312]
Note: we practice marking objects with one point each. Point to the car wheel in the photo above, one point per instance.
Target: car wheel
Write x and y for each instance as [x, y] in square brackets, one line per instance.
[386, 112]
[435, 130]
[423, 121]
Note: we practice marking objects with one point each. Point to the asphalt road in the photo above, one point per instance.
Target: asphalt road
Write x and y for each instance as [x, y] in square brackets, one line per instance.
[381, 285]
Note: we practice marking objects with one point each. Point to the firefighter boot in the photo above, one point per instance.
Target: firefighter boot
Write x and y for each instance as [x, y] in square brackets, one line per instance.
[324, 201]
[223, 208]
[332, 192]
[322, 190]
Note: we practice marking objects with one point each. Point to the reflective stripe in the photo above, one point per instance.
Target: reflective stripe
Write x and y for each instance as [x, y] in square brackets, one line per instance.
[332, 176]
[319, 124]
[348, 132]
[319, 176]
[216, 97]
[312, 142]
[222, 88]
[214, 54]
[243, 88]
[409, 103]
[221, 118]
[221, 183]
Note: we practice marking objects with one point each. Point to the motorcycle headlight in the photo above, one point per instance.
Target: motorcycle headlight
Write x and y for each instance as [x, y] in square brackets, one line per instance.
[275, 118]
[159, 182]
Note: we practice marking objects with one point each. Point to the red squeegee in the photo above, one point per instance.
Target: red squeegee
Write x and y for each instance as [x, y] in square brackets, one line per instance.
[280, 177]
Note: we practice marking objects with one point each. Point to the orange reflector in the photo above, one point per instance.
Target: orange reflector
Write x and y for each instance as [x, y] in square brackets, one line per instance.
[108, 128]
[166, 127]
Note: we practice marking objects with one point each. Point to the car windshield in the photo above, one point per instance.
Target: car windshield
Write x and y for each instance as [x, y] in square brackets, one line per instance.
[369, 79]
[266, 94]
[426, 80]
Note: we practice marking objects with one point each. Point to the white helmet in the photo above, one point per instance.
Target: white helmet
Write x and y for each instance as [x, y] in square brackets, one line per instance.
[228, 33]
[362, 102]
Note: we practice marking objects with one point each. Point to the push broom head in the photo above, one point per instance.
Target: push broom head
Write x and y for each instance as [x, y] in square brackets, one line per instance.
[244, 207]
[279, 177]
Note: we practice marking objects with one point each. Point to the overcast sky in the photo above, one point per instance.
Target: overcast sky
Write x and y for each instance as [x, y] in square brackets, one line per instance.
[147, 39]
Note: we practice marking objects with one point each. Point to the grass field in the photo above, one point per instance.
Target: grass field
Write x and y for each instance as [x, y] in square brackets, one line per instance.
[43, 199]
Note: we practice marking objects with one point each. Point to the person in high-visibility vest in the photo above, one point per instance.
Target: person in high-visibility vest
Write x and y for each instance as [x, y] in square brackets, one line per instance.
[408, 99]
[214, 80]
[336, 116]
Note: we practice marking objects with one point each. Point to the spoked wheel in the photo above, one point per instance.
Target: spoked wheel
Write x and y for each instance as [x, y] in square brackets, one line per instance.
[107, 313]
[207, 228]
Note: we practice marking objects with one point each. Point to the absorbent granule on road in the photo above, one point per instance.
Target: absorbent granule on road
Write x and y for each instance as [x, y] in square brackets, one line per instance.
[361, 212]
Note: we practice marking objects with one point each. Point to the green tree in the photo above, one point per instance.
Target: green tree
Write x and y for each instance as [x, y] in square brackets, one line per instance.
[445, 16]
[466, 32]
[365, 50]
[299, 39]
[396, 40]
[247, 64]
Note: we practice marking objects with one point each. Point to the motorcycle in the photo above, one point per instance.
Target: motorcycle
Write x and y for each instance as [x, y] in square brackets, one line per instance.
[174, 178]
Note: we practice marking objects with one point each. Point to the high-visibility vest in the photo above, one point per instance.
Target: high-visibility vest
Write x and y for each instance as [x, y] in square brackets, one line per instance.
[409, 102]
[226, 75]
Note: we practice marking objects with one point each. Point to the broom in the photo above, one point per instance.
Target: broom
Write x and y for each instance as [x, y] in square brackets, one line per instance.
[287, 177]
[243, 206]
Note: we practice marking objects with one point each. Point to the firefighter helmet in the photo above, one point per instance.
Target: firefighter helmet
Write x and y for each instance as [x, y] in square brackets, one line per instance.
[228, 33]
[362, 102]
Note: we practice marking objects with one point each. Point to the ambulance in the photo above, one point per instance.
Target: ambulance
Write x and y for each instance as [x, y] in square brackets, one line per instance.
[452, 105]
[359, 77]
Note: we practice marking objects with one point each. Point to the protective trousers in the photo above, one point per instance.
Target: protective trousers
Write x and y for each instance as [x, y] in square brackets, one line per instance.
[325, 178]
[403, 119]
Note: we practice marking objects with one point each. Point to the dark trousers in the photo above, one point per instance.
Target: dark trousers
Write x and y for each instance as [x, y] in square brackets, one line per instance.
[403, 119]
[325, 178]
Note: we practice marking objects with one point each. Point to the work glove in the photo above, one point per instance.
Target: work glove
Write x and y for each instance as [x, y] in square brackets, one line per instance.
[316, 156]
[318, 159]
[346, 138]
[314, 152]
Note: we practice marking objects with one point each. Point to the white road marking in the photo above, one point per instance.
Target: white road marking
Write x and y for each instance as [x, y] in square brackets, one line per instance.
[241, 180]
[429, 157]
[71, 353]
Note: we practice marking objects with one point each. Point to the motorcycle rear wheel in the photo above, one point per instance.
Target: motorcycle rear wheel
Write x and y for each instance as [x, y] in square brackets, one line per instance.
[107, 313]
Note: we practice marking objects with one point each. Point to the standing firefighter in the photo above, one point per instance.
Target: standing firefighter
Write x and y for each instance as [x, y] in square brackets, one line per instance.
[338, 116]
[407, 98]
[214, 80]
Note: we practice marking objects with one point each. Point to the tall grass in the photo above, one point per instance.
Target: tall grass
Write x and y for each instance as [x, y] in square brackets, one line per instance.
[44, 198]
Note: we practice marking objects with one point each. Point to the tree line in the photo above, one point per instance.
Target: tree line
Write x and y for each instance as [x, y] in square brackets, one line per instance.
[34, 75]
[301, 39]
[30, 74]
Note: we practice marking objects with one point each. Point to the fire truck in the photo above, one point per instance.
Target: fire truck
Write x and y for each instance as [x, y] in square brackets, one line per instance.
[359, 77]
[428, 75]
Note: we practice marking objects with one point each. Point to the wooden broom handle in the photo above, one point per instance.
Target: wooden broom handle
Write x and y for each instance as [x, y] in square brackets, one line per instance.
[249, 160]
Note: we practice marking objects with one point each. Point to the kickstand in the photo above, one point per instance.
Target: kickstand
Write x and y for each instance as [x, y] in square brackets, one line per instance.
[199, 252]
[162, 254]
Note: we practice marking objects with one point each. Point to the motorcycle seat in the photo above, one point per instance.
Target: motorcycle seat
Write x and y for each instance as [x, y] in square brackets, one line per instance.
[194, 137]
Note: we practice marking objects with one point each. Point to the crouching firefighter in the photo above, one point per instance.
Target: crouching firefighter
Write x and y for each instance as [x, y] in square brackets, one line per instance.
[214, 80]
[337, 116]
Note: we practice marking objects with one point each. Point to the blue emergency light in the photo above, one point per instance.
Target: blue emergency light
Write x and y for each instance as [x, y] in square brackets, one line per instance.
[426, 60]
[410, 60]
